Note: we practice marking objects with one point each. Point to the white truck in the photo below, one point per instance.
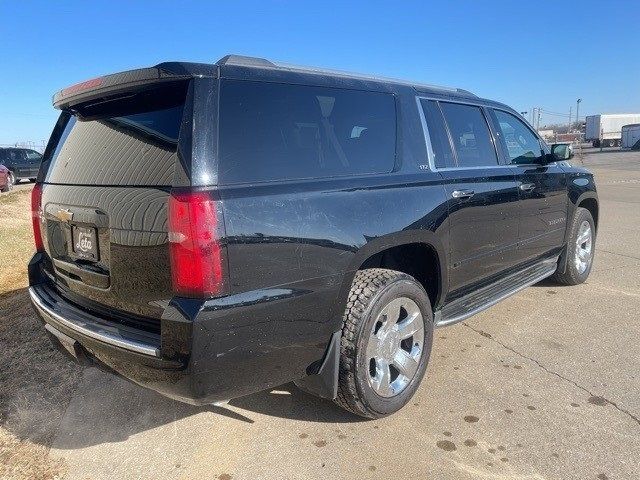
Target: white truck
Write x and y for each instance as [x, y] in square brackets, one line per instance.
[631, 137]
[606, 130]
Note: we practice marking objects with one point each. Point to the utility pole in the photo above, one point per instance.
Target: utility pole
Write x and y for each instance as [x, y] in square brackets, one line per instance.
[577, 114]
[539, 115]
[569, 129]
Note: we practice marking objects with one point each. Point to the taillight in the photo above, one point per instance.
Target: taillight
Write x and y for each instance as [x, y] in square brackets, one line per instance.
[36, 213]
[196, 259]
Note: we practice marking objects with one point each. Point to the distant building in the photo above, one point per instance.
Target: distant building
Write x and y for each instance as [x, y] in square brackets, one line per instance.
[569, 137]
[547, 134]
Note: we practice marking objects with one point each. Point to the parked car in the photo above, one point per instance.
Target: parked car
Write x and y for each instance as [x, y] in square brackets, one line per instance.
[5, 185]
[209, 231]
[23, 163]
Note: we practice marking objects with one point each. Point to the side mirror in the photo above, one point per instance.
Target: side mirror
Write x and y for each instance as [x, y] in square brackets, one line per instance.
[561, 151]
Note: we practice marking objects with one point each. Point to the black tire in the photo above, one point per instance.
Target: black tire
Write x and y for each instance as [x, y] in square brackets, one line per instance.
[571, 274]
[371, 291]
[32, 180]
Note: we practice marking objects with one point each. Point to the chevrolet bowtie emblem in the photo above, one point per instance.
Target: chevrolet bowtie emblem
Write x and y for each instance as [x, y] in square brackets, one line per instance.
[64, 215]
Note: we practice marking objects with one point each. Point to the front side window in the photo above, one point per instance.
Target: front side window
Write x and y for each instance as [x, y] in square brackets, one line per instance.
[470, 135]
[520, 145]
[271, 131]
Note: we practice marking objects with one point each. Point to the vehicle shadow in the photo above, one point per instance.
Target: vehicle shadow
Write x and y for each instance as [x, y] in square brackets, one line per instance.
[46, 398]
[107, 409]
[548, 283]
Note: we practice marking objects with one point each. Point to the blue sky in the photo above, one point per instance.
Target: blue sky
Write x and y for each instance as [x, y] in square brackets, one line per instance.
[526, 54]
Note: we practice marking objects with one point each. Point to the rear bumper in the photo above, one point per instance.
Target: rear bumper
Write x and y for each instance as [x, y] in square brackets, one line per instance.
[206, 351]
[68, 317]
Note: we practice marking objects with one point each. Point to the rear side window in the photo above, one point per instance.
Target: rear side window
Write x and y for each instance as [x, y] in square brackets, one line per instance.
[470, 135]
[443, 156]
[272, 131]
[127, 141]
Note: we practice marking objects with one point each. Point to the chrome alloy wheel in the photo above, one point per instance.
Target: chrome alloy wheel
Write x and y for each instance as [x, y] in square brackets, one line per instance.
[395, 346]
[584, 244]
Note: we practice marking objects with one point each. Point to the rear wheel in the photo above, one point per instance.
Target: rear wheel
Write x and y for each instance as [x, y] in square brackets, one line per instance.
[386, 342]
[580, 249]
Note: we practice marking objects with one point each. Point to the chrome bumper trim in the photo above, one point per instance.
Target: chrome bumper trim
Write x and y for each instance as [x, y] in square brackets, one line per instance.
[95, 332]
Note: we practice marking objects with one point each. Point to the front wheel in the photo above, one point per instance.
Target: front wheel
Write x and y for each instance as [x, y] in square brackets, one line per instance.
[386, 342]
[580, 249]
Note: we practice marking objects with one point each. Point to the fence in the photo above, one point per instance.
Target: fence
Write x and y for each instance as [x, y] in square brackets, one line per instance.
[37, 146]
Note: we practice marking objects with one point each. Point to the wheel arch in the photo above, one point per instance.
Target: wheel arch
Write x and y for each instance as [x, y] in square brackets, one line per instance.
[588, 200]
[398, 252]
[591, 204]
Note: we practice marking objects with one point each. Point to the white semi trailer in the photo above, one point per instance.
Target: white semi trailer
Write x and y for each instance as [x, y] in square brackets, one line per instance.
[606, 130]
[631, 136]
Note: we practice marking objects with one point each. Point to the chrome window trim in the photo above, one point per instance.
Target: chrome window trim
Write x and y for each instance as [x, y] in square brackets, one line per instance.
[427, 135]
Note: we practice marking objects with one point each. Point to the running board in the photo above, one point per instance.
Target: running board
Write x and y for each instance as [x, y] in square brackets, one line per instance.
[485, 297]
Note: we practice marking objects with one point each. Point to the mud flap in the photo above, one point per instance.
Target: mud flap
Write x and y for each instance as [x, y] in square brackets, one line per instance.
[324, 383]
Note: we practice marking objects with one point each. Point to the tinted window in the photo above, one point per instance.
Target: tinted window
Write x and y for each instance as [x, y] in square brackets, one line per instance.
[519, 143]
[443, 156]
[274, 132]
[131, 141]
[11, 156]
[470, 134]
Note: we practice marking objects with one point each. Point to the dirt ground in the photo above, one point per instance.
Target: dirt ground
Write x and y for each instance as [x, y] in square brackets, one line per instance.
[36, 382]
[544, 385]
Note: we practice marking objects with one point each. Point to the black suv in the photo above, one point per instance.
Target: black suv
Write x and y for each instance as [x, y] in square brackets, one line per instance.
[209, 231]
[23, 164]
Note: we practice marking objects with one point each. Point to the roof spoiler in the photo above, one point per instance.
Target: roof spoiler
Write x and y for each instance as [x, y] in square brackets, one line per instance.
[116, 83]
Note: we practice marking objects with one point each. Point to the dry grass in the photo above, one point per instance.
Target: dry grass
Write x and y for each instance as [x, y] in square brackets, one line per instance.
[16, 239]
[36, 381]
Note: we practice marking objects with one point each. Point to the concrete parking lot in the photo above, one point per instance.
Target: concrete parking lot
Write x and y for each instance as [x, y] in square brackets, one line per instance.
[545, 385]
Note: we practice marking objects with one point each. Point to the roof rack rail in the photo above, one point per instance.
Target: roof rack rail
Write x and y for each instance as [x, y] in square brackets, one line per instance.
[244, 61]
[241, 60]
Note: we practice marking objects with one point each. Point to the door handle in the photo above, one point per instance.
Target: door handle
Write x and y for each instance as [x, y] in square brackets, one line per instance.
[527, 187]
[463, 194]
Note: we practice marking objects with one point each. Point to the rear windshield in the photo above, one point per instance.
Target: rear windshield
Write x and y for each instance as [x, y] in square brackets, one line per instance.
[272, 131]
[131, 140]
